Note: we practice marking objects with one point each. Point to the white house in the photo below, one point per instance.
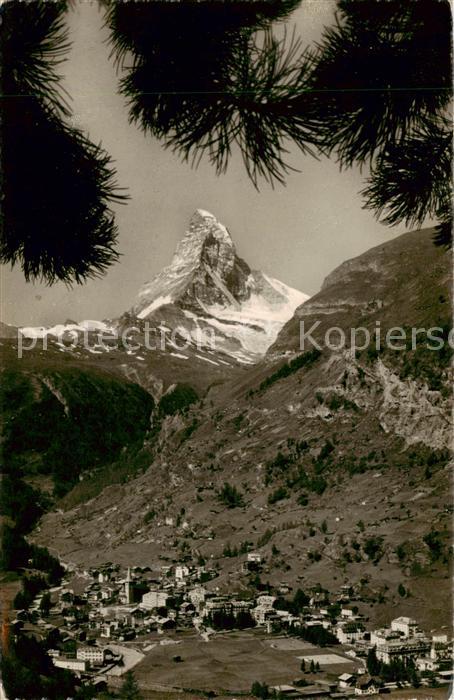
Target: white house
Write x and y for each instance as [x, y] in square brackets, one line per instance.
[426, 663]
[266, 601]
[439, 638]
[181, 572]
[368, 687]
[442, 649]
[406, 625]
[70, 664]
[346, 680]
[380, 637]
[391, 644]
[349, 632]
[261, 614]
[197, 596]
[109, 628]
[93, 655]
[154, 599]
[264, 608]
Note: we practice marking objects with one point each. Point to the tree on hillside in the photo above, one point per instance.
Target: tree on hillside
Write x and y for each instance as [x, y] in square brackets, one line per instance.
[130, 688]
[402, 591]
[45, 604]
[207, 77]
[230, 496]
[260, 690]
[372, 662]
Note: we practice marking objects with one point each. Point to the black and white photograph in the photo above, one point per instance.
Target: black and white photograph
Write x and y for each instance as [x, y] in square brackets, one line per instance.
[226, 349]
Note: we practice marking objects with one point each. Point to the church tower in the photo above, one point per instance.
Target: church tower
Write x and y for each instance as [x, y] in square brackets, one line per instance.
[128, 588]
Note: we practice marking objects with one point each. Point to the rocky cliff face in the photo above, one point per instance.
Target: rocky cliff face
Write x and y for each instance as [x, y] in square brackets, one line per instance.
[205, 248]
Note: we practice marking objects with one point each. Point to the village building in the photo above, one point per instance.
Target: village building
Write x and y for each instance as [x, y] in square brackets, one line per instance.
[54, 653]
[92, 655]
[197, 596]
[187, 609]
[345, 592]
[241, 606]
[272, 620]
[75, 665]
[346, 680]
[441, 648]
[154, 599]
[390, 644]
[318, 600]
[109, 629]
[138, 617]
[181, 572]
[426, 663]
[367, 687]
[349, 632]
[405, 625]
[252, 562]
[266, 601]
[218, 604]
[262, 615]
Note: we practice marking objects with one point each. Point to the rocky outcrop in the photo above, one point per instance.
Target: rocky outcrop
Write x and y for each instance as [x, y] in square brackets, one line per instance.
[410, 409]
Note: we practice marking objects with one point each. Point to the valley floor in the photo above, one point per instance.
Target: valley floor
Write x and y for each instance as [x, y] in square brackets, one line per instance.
[233, 661]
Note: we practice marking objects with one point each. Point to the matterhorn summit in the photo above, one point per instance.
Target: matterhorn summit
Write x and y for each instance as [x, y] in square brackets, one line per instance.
[207, 307]
[211, 292]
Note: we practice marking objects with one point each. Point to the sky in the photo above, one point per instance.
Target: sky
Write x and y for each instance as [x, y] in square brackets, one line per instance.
[297, 233]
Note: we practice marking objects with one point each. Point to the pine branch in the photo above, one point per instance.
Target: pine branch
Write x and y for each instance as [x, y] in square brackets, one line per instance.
[412, 178]
[259, 111]
[33, 44]
[57, 186]
[201, 82]
[379, 71]
[56, 221]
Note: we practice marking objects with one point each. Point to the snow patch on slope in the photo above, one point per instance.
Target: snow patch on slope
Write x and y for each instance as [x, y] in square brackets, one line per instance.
[160, 301]
[61, 328]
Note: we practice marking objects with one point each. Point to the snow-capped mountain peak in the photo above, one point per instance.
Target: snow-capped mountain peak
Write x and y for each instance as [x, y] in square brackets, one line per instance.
[215, 289]
[206, 243]
[207, 297]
